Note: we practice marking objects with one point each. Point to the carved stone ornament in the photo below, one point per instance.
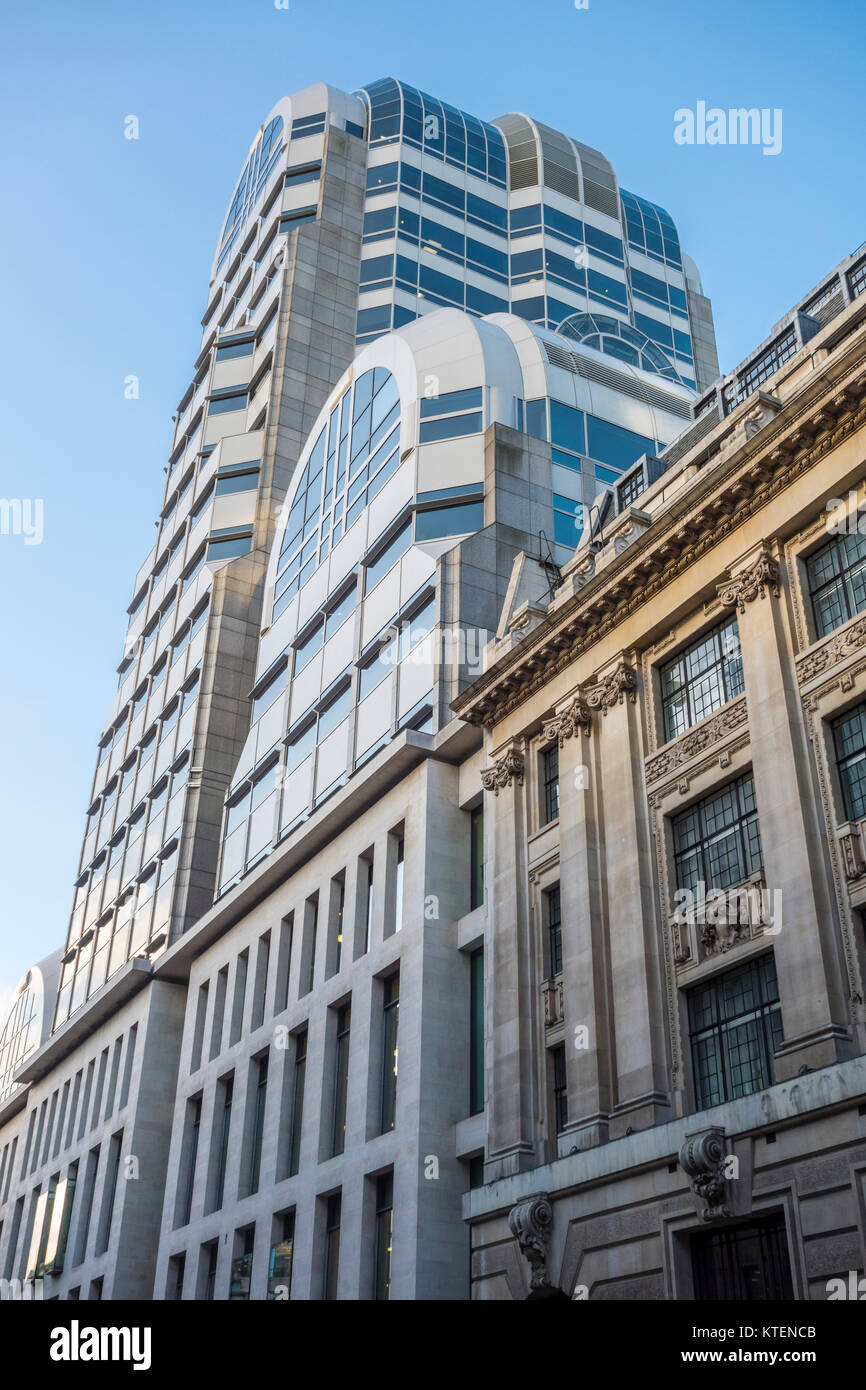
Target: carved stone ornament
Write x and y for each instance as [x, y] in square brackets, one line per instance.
[751, 583]
[702, 1159]
[568, 722]
[706, 735]
[851, 639]
[851, 845]
[531, 1223]
[506, 769]
[613, 689]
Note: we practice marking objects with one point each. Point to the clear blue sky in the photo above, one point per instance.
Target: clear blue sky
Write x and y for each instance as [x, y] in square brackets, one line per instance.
[106, 246]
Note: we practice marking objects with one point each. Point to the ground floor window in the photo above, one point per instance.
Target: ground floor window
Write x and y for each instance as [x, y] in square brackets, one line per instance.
[748, 1262]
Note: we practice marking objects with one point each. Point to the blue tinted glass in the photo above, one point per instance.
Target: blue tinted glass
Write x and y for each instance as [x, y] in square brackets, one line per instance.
[449, 521]
[566, 427]
[612, 444]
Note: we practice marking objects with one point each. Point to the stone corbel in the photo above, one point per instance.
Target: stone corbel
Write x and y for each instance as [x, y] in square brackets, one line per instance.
[506, 770]
[531, 1223]
[702, 1159]
[758, 578]
[568, 722]
[613, 688]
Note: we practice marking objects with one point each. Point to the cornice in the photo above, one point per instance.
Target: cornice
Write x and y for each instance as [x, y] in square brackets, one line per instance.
[711, 510]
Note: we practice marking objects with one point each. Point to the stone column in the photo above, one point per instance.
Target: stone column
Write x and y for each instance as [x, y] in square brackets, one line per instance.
[641, 1097]
[806, 942]
[584, 951]
[510, 977]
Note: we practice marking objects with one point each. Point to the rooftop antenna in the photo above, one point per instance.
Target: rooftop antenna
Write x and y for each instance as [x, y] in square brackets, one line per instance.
[549, 565]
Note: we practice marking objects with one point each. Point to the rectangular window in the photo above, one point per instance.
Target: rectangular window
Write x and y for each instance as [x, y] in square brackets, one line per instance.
[300, 1071]
[332, 1246]
[554, 930]
[391, 1013]
[284, 964]
[259, 1080]
[86, 1206]
[384, 1230]
[338, 900]
[109, 1193]
[216, 1036]
[280, 1260]
[476, 1031]
[735, 1027]
[368, 904]
[208, 1267]
[311, 924]
[849, 739]
[701, 678]
[747, 1262]
[222, 1131]
[717, 841]
[341, 1079]
[260, 984]
[476, 857]
[836, 574]
[242, 1264]
[240, 993]
[560, 1090]
[198, 1031]
[190, 1159]
[434, 523]
[176, 1267]
[221, 405]
[550, 784]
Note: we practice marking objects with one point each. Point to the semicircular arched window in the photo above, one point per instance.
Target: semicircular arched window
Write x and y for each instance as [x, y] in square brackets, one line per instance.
[620, 340]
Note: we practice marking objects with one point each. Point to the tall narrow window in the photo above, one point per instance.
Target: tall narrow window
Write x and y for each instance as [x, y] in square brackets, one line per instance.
[703, 677]
[338, 900]
[332, 1246]
[224, 1121]
[341, 1079]
[198, 1032]
[280, 1264]
[476, 857]
[560, 1091]
[298, 1101]
[284, 963]
[176, 1267]
[240, 994]
[260, 984]
[476, 1031]
[210, 1254]
[259, 1101]
[384, 1230]
[391, 1009]
[368, 907]
[398, 886]
[219, 1005]
[242, 1264]
[193, 1120]
[550, 784]
[311, 923]
[108, 1194]
[554, 931]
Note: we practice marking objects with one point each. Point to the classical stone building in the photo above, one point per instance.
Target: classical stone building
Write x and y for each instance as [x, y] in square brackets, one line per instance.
[675, 767]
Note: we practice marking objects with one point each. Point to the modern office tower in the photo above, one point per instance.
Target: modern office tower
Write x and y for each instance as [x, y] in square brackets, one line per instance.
[335, 542]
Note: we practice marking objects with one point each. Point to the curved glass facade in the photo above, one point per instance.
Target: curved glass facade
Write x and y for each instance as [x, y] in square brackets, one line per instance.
[398, 111]
[21, 1032]
[262, 159]
[650, 229]
[355, 454]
